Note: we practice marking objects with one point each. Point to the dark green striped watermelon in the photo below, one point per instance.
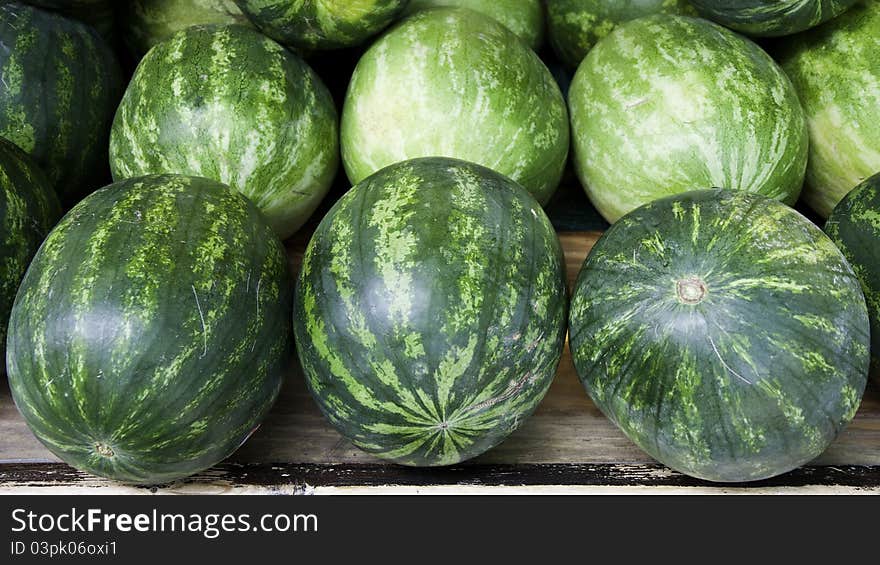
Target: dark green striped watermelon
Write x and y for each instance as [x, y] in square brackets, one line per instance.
[854, 226]
[96, 13]
[151, 331]
[28, 210]
[667, 104]
[430, 311]
[147, 22]
[723, 332]
[61, 84]
[485, 98]
[576, 25]
[835, 69]
[525, 18]
[771, 18]
[317, 24]
[227, 103]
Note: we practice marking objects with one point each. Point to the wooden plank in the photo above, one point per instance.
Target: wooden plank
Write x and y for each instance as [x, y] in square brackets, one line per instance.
[463, 479]
[567, 429]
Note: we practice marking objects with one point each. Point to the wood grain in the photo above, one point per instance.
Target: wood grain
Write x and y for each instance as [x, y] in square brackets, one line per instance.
[566, 430]
[470, 478]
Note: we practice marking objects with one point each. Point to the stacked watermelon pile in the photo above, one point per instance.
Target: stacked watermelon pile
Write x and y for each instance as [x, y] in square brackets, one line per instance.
[150, 327]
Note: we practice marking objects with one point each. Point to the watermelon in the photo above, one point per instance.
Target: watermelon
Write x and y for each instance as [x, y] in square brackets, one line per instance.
[430, 311]
[525, 18]
[771, 18]
[227, 103]
[723, 332]
[462, 86]
[96, 13]
[318, 24]
[28, 210]
[147, 22]
[854, 226]
[667, 104]
[835, 69]
[61, 84]
[576, 25]
[151, 332]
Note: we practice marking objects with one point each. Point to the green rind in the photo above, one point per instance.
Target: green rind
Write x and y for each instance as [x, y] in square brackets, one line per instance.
[525, 18]
[771, 18]
[754, 380]
[485, 97]
[430, 311]
[667, 104]
[835, 69]
[321, 24]
[148, 22]
[154, 322]
[854, 225]
[96, 13]
[575, 26]
[28, 210]
[61, 84]
[227, 103]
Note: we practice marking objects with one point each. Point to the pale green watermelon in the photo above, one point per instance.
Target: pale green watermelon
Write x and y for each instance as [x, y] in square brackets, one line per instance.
[451, 82]
[229, 104]
[667, 104]
[836, 72]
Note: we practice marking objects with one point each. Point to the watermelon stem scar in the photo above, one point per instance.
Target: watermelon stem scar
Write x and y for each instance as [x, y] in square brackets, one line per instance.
[691, 290]
[104, 450]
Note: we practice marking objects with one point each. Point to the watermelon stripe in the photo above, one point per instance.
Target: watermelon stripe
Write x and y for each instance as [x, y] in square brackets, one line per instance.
[28, 210]
[96, 13]
[855, 228]
[147, 22]
[771, 19]
[525, 18]
[575, 26]
[318, 24]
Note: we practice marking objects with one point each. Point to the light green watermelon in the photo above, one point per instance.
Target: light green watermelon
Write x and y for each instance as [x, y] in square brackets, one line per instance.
[525, 18]
[576, 25]
[451, 82]
[667, 104]
[227, 103]
[321, 24]
[430, 311]
[147, 22]
[835, 69]
[771, 18]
